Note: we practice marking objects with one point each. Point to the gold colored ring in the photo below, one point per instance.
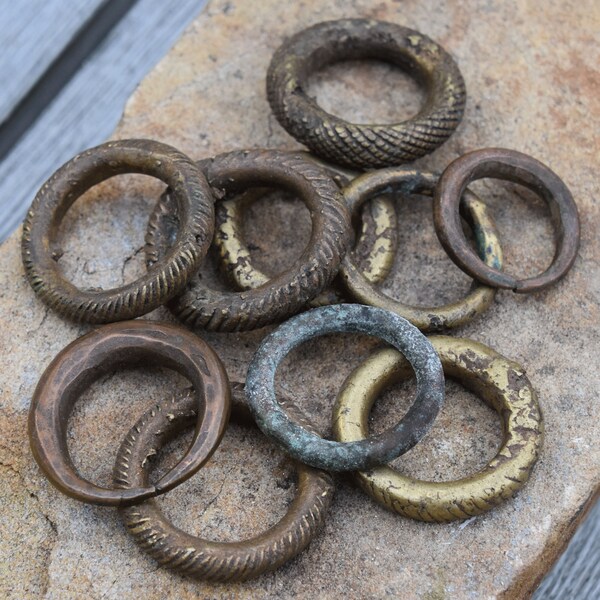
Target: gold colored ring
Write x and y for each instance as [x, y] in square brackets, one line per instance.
[500, 382]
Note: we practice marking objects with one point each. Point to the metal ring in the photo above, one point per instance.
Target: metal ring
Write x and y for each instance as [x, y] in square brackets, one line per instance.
[379, 236]
[164, 280]
[365, 146]
[287, 293]
[197, 557]
[474, 211]
[500, 382]
[345, 318]
[518, 168]
[120, 345]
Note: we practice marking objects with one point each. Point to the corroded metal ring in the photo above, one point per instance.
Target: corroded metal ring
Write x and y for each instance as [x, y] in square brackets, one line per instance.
[474, 211]
[197, 557]
[287, 293]
[345, 318]
[365, 146]
[520, 168]
[377, 234]
[191, 193]
[500, 382]
[116, 346]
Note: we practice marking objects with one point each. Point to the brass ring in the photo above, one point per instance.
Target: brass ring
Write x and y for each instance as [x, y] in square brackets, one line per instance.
[520, 168]
[378, 235]
[287, 293]
[365, 146]
[474, 211]
[116, 346]
[500, 382]
[197, 557]
[164, 280]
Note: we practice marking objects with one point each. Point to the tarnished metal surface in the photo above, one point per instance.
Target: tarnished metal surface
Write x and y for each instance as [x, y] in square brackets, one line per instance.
[201, 558]
[514, 166]
[475, 212]
[365, 146]
[287, 293]
[114, 346]
[345, 318]
[500, 382]
[191, 193]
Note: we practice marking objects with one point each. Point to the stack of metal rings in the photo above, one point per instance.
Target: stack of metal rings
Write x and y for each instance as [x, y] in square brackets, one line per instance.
[204, 204]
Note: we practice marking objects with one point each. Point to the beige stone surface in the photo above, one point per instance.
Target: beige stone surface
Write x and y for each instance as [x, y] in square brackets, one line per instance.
[532, 76]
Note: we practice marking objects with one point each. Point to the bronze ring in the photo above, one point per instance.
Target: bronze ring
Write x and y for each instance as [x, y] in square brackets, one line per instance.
[518, 168]
[287, 293]
[197, 557]
[195, 203]
[500, 382]
[365, 146]
[116, 346]
[377, 234]
[345, 318]
[474, 211]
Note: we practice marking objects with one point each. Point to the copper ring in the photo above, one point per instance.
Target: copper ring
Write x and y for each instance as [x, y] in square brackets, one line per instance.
[287, 293]
[164, 280]
[474, 211]
[345, 318]
[365, 146]
[500, 382]
[197, 557]
[377, 234]
[520, 168]
[121, 345]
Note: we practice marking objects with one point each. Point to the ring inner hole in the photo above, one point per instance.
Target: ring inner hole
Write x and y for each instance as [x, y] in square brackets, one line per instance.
[366, 91]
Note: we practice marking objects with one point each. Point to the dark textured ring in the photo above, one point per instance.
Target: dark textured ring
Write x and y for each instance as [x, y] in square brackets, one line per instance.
[475, 212]
[287, 293]
[365, 146]
[345, 318]
[164, 280]
[520, 168]
[377, 234]
[116, 346]
[500, 382]
[197, 557]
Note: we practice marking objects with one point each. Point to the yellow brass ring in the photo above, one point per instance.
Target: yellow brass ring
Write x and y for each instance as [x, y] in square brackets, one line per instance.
[500, 382]
[378, 234]
[474, 211]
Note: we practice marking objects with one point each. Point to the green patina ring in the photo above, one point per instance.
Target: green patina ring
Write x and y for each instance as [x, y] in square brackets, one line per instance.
[345, 318]
[473, 210]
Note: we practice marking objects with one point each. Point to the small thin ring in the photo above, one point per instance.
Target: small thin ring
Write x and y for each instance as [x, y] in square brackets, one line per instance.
[288, 292]
[197, 557]
[345, 318]
[130, 343]
[514, 166]
[365, 146]
[164, 280]
[500, 382]
[474, 211]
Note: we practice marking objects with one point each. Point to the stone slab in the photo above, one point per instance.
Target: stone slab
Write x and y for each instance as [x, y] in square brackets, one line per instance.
[532, 77]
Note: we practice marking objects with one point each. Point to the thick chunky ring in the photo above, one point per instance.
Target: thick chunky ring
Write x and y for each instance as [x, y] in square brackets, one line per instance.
[475, 213]
[197, 557]
[345, 318]
[365, 146]
[191, 193]
[116, 346]
[518, 168]
[287, 293]
[500, 382]
[378, 234]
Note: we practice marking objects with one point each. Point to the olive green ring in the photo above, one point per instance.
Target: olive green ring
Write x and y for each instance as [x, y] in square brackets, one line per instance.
[500, 382]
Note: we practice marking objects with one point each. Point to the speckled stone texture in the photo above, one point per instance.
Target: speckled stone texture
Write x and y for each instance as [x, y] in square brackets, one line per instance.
[533, 84]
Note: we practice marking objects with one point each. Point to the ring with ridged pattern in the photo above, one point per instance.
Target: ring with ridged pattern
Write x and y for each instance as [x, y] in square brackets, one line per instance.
[500, 382]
